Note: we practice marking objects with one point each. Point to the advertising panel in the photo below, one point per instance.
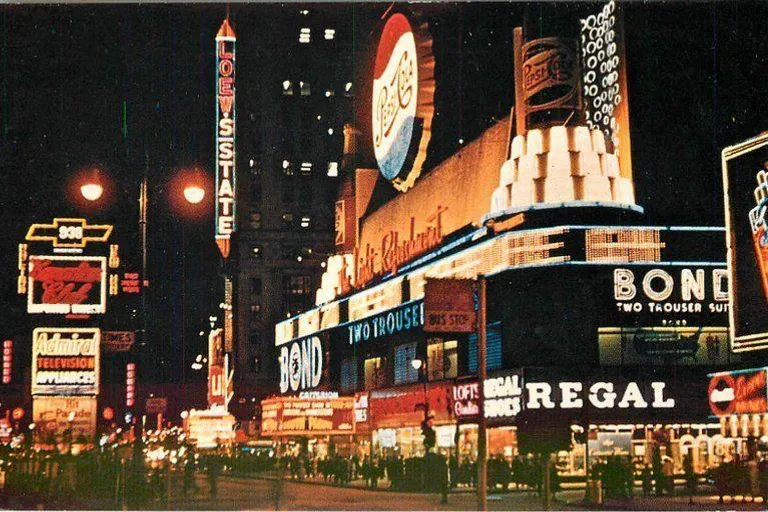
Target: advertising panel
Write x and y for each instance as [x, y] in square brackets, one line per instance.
[67, 284]
[65, 361]
[449, 305]
[225, 137]
[665, 346]
[56, 414]
[301, 364]
[7, 361]
[739, 392]
[305, 416]
[402, 103]
[404, 406]
[745, 184]
[117, 341]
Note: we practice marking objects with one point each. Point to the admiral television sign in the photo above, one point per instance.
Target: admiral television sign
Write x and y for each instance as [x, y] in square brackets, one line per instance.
[745, 184]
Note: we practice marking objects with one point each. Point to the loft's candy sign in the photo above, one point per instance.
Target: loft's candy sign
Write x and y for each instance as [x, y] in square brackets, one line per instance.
[301, 364]
[67, 284]
[65, 361]
[225, 136]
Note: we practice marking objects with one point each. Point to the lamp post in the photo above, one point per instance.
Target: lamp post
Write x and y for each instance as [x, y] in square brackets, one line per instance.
[193, 191]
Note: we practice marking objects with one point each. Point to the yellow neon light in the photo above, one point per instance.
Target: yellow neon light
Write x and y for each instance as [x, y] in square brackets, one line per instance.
[69, 232]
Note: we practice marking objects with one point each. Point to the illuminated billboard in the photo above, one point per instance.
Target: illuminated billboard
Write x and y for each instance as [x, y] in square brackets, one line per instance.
[56, 414]
[307, 416]
[739, 392]
[65, 360]
[225, 137]
[402, 103]
[67, 284]
[745, 184]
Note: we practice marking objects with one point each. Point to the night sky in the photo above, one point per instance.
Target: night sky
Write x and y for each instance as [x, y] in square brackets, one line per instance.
[129, 87]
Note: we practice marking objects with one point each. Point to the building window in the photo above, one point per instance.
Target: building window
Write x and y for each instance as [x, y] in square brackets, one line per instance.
[329, 34]
[287, 219]
[404, 370]
[288, 193]
[375, 370]
[442, 359]
[255, 286]
[255, 364]
[349, 375]
[348, 89]
[287, 88]
[255, 313]
[287, 168]
[493, 349]
[306, 221]
[333, 169]
[305, 89]
[305, 35]
[329, 93]
[255, 220]
[256, 190]
[254, 338]
[256, 252]
[305, 197]
[306, 168]
[297, 285]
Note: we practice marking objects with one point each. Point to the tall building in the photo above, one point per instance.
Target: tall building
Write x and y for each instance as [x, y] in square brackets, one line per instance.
[294, 96]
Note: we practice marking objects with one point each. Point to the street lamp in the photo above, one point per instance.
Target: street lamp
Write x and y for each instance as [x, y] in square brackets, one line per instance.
[92, 191]
[194, 194]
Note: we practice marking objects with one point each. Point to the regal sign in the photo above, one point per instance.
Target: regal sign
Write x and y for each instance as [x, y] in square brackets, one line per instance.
[65, 361]
[402, 103]
[225, 137]
[67, 284]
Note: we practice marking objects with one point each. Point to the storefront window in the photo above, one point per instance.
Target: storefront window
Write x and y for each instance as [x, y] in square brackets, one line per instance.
[349, 375]
[404, 370]
[374, 373]
[442, 359]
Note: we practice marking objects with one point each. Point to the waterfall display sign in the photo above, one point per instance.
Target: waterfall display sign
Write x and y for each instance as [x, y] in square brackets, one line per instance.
[745, 184]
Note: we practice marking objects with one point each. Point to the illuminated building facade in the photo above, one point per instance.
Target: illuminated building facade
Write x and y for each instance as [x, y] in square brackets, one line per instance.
[294, 98]
[597, 321]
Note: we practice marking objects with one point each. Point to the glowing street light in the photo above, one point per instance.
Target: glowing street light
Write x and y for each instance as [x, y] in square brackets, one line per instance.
[194, 194]
[92, 191]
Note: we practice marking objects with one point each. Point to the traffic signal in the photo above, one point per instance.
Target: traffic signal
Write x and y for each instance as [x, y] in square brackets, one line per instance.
[429, 435]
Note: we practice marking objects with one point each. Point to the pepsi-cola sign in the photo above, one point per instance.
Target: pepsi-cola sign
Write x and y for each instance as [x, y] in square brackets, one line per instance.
[401, 114]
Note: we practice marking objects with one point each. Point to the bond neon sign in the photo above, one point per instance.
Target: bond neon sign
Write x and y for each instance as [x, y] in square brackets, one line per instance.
[225, 137]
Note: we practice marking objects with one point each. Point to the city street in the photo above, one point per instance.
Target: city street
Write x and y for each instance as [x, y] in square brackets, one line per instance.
[244, 493]
[356, 255]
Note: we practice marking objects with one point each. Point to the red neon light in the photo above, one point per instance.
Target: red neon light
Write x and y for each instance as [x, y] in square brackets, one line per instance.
[60, 284]
[130, 384]
[7, 361]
